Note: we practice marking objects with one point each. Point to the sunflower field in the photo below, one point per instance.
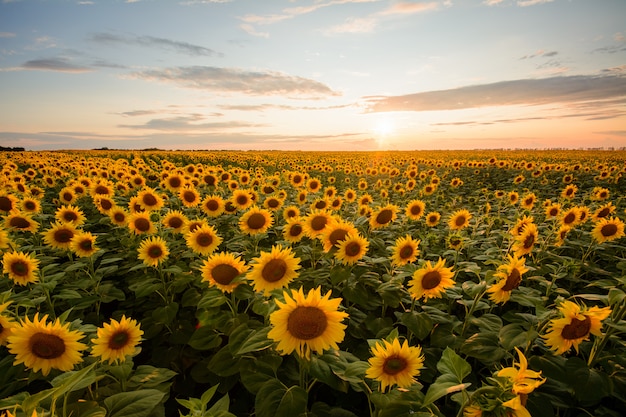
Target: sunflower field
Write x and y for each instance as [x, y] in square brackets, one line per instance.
[388, 284]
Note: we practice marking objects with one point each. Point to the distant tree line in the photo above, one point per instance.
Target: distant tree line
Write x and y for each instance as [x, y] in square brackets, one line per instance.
[14, 149]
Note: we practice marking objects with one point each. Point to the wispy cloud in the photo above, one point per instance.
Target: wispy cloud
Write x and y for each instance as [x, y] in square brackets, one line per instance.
[540, 53]
[188, 124]
[235, 80]
[151, 41]
[54, 64]
[251, 30]
[560, 89]
[7, 35]
[525, 3]
[353, 25]
[406, 7]
[265, 107]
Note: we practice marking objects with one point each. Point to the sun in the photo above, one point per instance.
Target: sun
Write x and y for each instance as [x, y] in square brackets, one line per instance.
[383, 129]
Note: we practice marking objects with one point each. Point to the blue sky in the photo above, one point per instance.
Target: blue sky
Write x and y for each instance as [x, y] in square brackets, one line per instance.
[313, 74]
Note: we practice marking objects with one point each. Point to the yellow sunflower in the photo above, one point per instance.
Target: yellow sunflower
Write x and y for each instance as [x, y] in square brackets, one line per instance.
[256, 220]
[8, 202]
[291, 212]
[293, 231]
[313, 185]
[221, 269]
[405, 250]
[203, 240]
[30, 205]
[351, 249]
[509, 277]
[189, 196]
[431, 281]
[315, 223]
[149, 200]
[524, 380]
[152, 251]
[569, 192]
[459, 219]
[528, 201]
[213, 205]
[21, 222]
[606, 230]
[525, 242]
[383, 216]
[552, 210]
[604, 211]
[83, 244]
[415, 209]
[273, 203]
[432, 218]
[60, 235]
[393, 363]
[273, 270]
[140, 223]
[192, 224]
[575, 326]
[455, 241]
[306, 324]
[118, 216]
[336, 231]
[117, 340]
[104, 203]
[6, 324]
[242, 199]
[42, 345]
[569, 218]
[70, 214]
[520, 224]
[175, 220]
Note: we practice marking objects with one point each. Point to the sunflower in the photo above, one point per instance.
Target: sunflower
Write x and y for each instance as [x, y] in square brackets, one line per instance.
[102, 187]
[297, 179]
[351, 249]
[313, 185]
[395, 364]
[152, 251]
[273, 270]
[5, 241]
[221, 269]
[415, 209]
[173, 182]
[189, 196]
[203, 240]
[525, 242]
[149, 200]
[306, 324]
[60, 235]
[83, 244]
[213, 205]
[432, 218]
[273, 203]
[600, 193]
[513, 197]
[455, 241]
[70, 214]
[321, 203]
[575, 326]
[21, 222]
[118, 216]
[315, 223]
[383, 216]
[241, 199]
[528, 201]
[140, 223]
[523, 379]
[67, 195]
[552, 210]
[191, 225]
[509, 277]
[404, 250]
[30, 205]
[256, 220]
[43, 345]
[569, 192]
[604, 211]
[6, 324]
[431, 281]
[104, 203]
[116, 340]
[8, 202]
[570, 217]
[293, 231]
[175, 220]
[521, 224]
[459, 220]
[606, 230]
[291, 212]
[349, 195]
[336, 231]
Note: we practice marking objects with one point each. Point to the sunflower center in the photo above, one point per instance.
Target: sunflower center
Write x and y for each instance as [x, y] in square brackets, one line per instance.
[143, 225]
[85, 245]
[70, 216]
[46, 346]
[19, 268]
[209, 179]
[273, 203]
[155, 252]
[119, 217]
[19, 223]
[554, 211]
[242, 200]
[175, 182]
[297, 179]
[256, 221]
[224, 274]
[6, 204]
[394, 365]
[415, 210]
[337, 235]
[68, 196]
[119, 340]
[609, 230]
[212, 205]
[149, 200]
[101, 189]
[63, 235]
[274, 270]
[576, 329]
[106, 204]
[604, 212]
[431, 279]
[189, 196]
[569, 218]
[175, 222]
[318, 223]
[352, 249]
[460, 220]
[513, 280]
[384, 216]
[306, 323]
[406, 252]
[295, 230]
[529, 241]
[204, 239]
[29, 205]
[320, 204]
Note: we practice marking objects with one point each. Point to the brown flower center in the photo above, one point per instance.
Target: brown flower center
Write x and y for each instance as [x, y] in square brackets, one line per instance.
[318, 223]
[175, 182]
[204, 239]
[569, 218]
[273, 203]
[306, 323]
[70, 216]
[394, 365]
[119, 340]
[212, 205]
[85, 245]
[431, 279]
[101, 189]
[604, 212]
[143, 225]
[67, 197]
[119, 217]
[6, 204]
[242, 200]
[337, 235]
[576, 329]
[353, 249]
[19, 223]
[46, 346]
[155, 251]
[406, 252]
[512, 281]
[224, 274]
[19, 268]
[149, 200]
[175, 222]
[274, 270]
[609, 230]
[554, 211]
[256, 221]
[209, 180]
[295, 230]
[320, 204]
[529, 241]
[29, 205]
[384, 216]
[106, 204]
[460, 220]
[416, 210]
[63, 235]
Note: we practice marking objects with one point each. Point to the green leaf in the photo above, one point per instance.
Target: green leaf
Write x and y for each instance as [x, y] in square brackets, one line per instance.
[417, 322]
[276, 400]
[256, 371]
[133, 404]
[147, 376]
[453, 370]
[257, 341]
[483, 346]
[205, 338]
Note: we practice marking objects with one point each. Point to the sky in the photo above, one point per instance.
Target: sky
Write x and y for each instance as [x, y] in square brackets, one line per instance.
[312, 75]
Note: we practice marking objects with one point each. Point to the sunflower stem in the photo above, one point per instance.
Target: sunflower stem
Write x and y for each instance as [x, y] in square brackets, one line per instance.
[469, 314]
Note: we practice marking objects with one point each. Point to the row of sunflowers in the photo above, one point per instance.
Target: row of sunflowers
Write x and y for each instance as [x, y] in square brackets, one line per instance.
[160, 283]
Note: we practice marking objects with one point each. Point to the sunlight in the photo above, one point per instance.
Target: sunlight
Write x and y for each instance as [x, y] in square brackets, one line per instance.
[383, 129]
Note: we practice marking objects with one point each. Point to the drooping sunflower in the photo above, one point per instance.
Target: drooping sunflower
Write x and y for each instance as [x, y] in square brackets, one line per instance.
[43, 345]
[59, 235]
[384, 216]
[432, 218]
[305, 324]
[431, 281]
[607, 229]
[273, 270]
[336, 231]
[149, 199]
[604, 211]
[351, 249]
[520, 224]
[315, 222]
[70, 214]
[459, 219]
[153, 251]
[117, 340]
[405, 250]
[21, 222]
[509, 277]
[293, 231]
[6, 324]
[525, 242]
[575, 326]
[415, 209]
[256, 220]
[221, 269]
[524, 380]
[175, 220]
[83, 244]
[140, 223]
[393, 363]
[204, 240]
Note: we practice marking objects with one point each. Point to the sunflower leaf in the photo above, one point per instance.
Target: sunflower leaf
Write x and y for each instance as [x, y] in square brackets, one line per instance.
[453, 370]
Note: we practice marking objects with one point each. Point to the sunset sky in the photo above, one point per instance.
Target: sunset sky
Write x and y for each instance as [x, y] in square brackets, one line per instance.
[312, 74]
